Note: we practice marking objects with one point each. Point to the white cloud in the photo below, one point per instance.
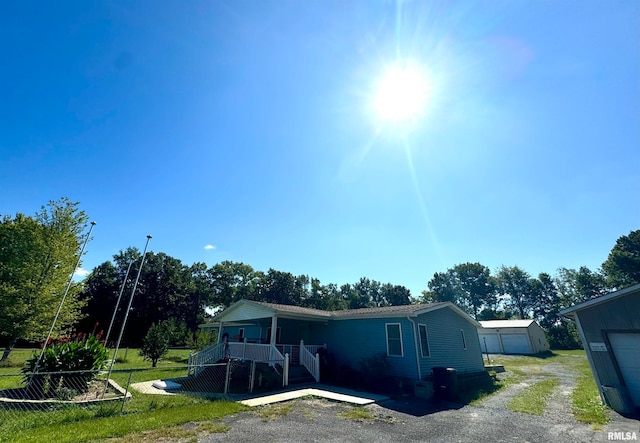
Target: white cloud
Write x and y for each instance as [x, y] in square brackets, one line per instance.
[209, 247]
[82, 272]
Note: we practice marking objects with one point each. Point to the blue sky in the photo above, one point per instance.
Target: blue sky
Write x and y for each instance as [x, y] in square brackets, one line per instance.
[248, 126]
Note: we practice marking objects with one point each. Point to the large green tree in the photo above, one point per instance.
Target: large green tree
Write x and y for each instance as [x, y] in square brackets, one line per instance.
[232, 281]
[515, 284]
[468, 285]
[622, 267]
[37, 256]
[167, 290]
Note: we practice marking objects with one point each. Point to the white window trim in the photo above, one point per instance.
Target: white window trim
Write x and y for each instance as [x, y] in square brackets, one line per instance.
[426, 335]
[386, 332]
[464, 340]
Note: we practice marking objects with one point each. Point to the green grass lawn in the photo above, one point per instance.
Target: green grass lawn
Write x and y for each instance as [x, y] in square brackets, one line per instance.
[534, 399]
[143, 413]
[87, 425]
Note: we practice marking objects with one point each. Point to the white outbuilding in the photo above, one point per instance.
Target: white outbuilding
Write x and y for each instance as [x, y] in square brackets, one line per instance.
[512, 337]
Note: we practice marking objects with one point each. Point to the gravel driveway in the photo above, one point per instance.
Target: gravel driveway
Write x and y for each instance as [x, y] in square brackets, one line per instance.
[414, 420]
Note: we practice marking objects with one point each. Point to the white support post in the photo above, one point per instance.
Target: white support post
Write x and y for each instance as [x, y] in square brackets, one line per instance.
[317, 368]
[274, 330]
[244, 348]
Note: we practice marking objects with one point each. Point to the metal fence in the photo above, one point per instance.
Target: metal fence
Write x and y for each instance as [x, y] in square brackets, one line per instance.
[30, 400]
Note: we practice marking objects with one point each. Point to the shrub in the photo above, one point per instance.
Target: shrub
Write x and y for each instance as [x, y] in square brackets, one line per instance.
[70, 363]
[374, 371]
[200, 339]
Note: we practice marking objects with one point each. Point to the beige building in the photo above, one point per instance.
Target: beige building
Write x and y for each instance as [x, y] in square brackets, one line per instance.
[512, 337]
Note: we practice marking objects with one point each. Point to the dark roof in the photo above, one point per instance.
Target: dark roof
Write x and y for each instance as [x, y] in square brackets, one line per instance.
[401, 309]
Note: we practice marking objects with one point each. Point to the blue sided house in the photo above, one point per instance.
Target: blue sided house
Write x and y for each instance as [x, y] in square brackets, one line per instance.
[412, 339]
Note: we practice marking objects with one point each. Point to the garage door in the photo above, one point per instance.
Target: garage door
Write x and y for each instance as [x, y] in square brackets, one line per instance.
[492, 343]
[515, 344]
[626, 350]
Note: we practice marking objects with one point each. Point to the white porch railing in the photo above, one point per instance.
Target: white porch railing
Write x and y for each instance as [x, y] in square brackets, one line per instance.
[309, 360]
[197, 360]
[314, 348]
[309, 357]
[250, 351]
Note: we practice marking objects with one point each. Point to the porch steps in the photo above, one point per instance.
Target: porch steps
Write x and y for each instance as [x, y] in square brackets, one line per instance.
[298, 374]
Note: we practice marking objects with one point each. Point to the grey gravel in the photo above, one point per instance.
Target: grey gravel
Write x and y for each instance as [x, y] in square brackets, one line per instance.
[415, 420]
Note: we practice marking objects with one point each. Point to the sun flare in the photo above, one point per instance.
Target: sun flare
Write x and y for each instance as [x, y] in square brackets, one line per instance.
[401, 94]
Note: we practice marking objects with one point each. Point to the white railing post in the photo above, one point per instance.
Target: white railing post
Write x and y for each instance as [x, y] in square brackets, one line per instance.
[317, 364]
[285, 371]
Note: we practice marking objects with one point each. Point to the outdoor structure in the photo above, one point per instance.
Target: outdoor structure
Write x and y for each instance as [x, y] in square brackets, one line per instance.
[414, 338]
[609, 327]
[512, 337]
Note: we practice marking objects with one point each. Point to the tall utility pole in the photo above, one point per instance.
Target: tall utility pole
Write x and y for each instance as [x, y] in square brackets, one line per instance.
[115, 310]
[126, 315]
[64, 296]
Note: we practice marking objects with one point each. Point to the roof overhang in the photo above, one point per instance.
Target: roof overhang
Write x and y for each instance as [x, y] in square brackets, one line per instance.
[409, 314]
[232, 315]
[259, 310]
[571, 311]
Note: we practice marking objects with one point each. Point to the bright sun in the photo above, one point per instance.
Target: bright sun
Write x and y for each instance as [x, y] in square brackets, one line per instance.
[401, 94]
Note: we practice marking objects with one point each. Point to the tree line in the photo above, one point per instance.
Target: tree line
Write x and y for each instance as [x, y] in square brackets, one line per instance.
[37, 255]
[169, 290]
[513, 293]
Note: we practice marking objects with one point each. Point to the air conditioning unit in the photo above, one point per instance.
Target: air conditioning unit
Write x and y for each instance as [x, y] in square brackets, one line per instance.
[618, 399]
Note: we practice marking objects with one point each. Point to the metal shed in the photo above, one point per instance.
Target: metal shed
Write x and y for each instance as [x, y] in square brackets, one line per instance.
[512, 337]
[609, 327]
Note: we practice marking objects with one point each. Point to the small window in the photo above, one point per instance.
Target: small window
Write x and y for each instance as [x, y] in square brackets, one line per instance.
[241, 334]
[424, 340]
[394, 340]
[464, 342]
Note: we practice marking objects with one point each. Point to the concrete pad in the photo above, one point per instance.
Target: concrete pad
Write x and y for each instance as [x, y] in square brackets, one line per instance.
[331, 393]
[147, 387]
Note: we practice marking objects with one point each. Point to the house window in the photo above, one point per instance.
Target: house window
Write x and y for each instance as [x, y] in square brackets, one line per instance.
[464, 342]
[241, 334]
[278, 333]
[394, 340]
[424, 340]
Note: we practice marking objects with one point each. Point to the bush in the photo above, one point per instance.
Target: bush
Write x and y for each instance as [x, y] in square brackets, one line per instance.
[564, 336]
[375, 370]
[70, 363]
[201, 339]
